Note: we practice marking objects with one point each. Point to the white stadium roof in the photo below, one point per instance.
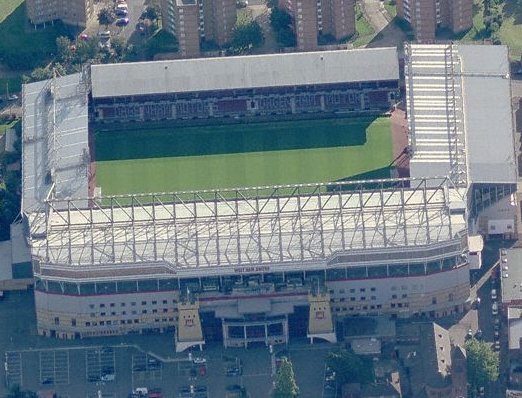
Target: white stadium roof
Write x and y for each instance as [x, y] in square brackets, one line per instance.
[459, 112]
[310, 225]
[55, 141]
[224, 73]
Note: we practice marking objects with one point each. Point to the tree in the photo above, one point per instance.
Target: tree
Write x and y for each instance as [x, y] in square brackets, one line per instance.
[247, 36]
[41, 74]
[482, 362]
[63, 49]
[281, 23]
[151, 12]
[280, 19]
[86, 50]
[350, 368]
[106, 17]
[285, 385]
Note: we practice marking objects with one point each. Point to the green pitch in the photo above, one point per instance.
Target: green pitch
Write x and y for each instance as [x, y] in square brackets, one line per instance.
[240, 155]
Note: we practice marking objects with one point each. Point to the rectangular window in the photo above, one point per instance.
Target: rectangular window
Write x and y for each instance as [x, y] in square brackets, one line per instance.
[164, 301]
[143, 303]
[73, 322]
[56, 321]
[154, 302]
[144, 311]
[133, 304]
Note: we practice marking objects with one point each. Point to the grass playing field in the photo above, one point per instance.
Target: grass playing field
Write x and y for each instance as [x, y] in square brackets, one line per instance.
[240, 155]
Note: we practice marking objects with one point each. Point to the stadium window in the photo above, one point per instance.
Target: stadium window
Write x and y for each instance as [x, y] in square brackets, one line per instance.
[122, 304]
[112, 304]
[434, 300]
[102, 314]
[124, 312]
[404, 295]
[102, 305]
[362, 289]
[122, 322]
[379, 306]
[56, 321]
[102, 323]
[399, 305]
[143, 303]
[372, 289]
[352, 298]
[87, 324]
[136, 321]
[394, 296]
[144, 311]
[165, 310]
[73, 322]
[392, 305]
[164, 301]
[113, 313]
[352, 290]
[154, 302]
[363, 298]
[154, 311]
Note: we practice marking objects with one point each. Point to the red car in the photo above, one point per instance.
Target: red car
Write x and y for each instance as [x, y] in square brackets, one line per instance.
[203, 371]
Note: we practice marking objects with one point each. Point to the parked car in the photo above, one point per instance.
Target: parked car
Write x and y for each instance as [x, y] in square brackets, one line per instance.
[199, 360]
[122, 21]
[493, 294]
[494, 308]
[108, 377]
[121, 12]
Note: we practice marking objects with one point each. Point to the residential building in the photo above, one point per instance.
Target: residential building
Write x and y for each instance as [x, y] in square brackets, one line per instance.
[193, 21]
[435, 366]
[72, 12]
[320, 17]
[426, 16]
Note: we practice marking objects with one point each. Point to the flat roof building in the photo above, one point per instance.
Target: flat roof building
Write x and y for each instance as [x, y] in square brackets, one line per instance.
[426, 16]
[312, 18]
[195, 21]
[72, 12]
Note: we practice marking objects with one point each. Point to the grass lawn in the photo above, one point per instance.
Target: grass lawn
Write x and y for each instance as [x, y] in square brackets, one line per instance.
[510, 32]
[306, 164]
[20, 46]
[365, 32]
[391, 9]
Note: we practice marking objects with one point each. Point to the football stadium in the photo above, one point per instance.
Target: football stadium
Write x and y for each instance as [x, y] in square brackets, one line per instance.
[255, 199]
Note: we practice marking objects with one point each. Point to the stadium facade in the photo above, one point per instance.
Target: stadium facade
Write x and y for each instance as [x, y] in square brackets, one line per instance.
[263, 264]
[336, 81]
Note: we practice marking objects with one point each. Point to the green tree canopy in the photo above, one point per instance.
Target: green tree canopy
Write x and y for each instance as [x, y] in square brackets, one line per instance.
[63, 49]
[280, 19]
[482, 362]
[350, 368]
[247, 36]
[285, 384]
[106, 17]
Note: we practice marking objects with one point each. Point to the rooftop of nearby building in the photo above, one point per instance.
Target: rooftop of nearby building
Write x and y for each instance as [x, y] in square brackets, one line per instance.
[511, 275]
[252, 71]
[469, 85]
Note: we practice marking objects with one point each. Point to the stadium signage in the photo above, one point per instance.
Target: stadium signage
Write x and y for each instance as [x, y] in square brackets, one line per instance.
[241, 270]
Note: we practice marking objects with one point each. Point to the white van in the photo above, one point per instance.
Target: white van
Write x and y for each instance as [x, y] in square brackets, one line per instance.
[141, 391]
[494, 309]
